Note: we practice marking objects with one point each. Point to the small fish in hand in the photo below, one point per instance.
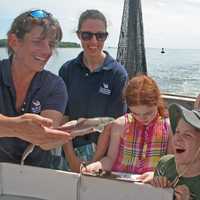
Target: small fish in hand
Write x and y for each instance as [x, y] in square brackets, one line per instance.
[85, 126]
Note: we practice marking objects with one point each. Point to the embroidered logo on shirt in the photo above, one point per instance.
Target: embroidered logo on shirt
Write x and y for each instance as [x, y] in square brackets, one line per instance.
[104, 89]
[36, 106]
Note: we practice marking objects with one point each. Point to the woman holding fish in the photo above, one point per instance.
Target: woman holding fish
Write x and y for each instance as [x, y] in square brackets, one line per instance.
[25, 87]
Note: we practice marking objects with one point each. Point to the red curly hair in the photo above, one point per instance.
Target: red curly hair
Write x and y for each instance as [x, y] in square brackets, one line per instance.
[143, 90]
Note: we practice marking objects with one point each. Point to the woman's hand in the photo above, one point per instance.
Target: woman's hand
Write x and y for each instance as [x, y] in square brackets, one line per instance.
[37, 130]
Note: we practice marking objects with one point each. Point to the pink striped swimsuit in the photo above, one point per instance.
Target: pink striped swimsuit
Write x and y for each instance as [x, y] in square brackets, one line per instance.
[141, 147]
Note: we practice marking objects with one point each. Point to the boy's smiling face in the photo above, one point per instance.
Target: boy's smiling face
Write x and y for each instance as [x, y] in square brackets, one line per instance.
[186, 142]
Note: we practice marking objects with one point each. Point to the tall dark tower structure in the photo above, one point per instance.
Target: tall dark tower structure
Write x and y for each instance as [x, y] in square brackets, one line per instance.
[131, 50]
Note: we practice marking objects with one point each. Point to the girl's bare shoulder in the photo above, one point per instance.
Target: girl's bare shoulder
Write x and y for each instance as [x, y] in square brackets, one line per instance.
[118, 124]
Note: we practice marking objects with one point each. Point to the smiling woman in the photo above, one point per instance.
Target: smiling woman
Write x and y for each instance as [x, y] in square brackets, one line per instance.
[94, 81]
[27, 21]
[23, 87]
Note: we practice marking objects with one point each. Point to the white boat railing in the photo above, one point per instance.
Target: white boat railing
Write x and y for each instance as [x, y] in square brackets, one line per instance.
[33, 183]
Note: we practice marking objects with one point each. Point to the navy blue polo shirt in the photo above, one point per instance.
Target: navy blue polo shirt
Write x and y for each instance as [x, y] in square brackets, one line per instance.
[94, 94]
[47, 91]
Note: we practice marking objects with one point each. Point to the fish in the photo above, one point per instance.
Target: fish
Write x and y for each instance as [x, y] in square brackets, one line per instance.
[27, 151]
[84, 126]
[80, 127]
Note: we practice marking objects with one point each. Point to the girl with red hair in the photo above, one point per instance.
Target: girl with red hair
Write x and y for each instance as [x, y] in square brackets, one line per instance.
[140, 138]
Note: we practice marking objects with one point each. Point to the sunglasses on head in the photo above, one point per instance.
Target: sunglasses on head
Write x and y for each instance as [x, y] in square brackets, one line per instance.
[86, 35]
[39, 14]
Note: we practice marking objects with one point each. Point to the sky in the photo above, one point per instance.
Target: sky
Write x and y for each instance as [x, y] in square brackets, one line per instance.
[167, 23]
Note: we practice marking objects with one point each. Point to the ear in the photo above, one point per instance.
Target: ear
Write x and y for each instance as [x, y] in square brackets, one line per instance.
[13, 41]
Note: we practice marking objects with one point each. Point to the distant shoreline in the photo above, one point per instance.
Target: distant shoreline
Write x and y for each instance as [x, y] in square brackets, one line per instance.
[3, 43]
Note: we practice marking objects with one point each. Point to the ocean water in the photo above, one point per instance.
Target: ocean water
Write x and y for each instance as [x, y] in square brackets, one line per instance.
[177, 71]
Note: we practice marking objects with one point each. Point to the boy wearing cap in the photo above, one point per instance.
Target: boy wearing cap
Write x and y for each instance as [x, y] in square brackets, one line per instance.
[181, 171]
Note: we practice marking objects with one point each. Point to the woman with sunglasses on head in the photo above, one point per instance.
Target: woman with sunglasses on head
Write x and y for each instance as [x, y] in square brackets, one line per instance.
[94, 82]
[26, 87]
[140, 138]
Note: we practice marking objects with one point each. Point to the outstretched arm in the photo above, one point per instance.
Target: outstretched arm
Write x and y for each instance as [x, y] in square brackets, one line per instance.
[102, 146]
[13, 126]
[107, 162]
[31, 128]
[103, 143]
[84, 126]
[73, 159]
[56, 118]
